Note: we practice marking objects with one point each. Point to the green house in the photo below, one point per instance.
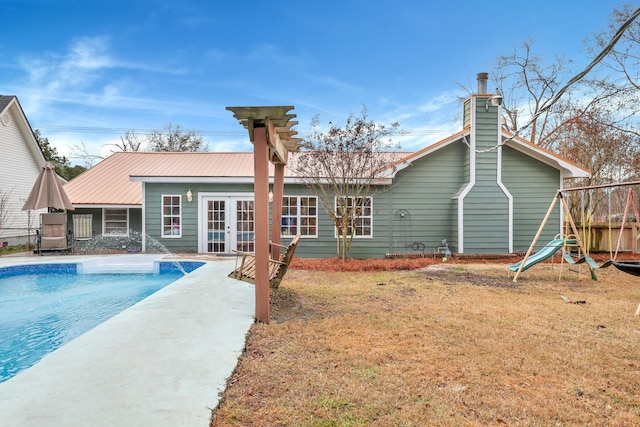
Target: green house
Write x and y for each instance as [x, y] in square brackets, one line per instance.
[479, 191]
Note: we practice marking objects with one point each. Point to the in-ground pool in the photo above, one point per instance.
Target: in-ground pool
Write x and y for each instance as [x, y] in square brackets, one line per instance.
[43, 306]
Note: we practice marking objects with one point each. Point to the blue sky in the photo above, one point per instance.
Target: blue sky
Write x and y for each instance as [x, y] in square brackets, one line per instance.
[87, 71]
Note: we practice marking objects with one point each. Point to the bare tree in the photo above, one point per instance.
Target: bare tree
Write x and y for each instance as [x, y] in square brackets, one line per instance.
[175, 139]
[341, 165]
[6, 218]
[169, 139]
[81, 151]
[618, 81]
[130, 142]
[527, 83]
[588, 139]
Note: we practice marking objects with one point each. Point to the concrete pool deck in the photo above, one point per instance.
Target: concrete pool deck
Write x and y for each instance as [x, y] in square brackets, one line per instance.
[162, 362]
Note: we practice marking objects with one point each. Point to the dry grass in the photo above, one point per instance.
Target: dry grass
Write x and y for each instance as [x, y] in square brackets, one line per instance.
[450, 344]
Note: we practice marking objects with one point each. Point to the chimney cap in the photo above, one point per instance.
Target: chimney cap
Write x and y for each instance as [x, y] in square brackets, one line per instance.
[482, 83]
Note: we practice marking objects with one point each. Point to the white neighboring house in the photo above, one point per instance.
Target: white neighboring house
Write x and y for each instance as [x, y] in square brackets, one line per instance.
[20, 165]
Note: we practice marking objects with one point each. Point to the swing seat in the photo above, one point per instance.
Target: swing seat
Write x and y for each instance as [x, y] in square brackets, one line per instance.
[590, 261]
[629, 267]
[570, 260]
[246, 271]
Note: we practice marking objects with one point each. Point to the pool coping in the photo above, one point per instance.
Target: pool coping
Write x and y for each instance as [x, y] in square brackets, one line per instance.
[159, 362]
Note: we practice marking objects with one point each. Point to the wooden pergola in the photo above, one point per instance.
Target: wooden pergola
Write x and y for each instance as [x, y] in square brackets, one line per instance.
[272, 138]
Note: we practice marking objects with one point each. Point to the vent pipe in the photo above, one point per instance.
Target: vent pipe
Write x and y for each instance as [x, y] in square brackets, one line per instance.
[482, 83]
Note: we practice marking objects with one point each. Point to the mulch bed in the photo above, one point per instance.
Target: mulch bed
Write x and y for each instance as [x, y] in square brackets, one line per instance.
[415, 263]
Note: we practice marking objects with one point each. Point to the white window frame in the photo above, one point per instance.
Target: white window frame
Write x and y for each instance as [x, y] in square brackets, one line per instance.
[298, 217]
[176, 232]
[370, 217]
[104, 222]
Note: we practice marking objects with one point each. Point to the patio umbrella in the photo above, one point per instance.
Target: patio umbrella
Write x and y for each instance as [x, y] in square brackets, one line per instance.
[47, 192]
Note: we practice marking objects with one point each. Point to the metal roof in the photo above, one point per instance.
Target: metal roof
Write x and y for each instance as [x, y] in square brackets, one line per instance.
[109, 182]
[117, 180]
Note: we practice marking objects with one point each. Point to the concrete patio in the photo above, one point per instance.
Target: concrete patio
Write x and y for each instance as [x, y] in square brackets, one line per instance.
[162, 362]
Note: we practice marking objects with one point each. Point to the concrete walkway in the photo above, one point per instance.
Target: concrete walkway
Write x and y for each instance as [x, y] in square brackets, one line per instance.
[162, 362]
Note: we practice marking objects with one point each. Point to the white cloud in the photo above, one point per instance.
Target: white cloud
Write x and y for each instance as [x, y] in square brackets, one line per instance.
[240, 144]
[75, 68]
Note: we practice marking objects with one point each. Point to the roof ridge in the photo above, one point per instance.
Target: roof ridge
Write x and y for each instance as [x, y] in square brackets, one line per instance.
[183, 152]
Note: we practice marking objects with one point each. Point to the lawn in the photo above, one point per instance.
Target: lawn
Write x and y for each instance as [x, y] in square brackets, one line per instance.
[450, 344]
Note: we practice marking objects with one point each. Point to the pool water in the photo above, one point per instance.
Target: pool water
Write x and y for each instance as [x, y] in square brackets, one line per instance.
[41, 311]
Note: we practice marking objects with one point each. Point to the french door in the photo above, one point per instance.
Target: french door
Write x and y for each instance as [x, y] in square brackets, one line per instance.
[229, 223]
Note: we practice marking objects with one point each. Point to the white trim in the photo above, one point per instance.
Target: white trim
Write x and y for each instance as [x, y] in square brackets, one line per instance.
[227, 180]
[203, 194]
[191, 179]
[102, 206]
[472, 176]
[408, 159]
[567, 169]
[162, 216]
[506, 192]
[143, 247]
[561, 210]
[200, 221]
[104, 220]
[298, 217]
[230, 222]
[355, 236]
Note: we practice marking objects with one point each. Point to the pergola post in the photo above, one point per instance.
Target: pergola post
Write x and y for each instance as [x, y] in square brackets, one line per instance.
[276, 212]
[270, 132]
[261, 218]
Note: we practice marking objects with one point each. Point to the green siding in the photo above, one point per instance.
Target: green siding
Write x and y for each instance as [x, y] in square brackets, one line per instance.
[135, 219]
[421, 205]
[188, 242]
[321, 247]
[324, 246]
[533, 186]
[425, 190]
[486, 221]
[466, 112]
[486, 206]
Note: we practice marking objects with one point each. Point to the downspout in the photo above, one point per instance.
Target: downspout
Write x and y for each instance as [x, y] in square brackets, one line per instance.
[143, 246]
[201, 233]
[562, 212]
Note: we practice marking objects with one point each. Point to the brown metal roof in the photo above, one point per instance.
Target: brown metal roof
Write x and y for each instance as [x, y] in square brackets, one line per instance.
[109, 183]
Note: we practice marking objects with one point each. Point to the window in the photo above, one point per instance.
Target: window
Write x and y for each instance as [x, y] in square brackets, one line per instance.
[299, 215]
[115, 222]
[362, 223]
[171, 215]
[82, 226]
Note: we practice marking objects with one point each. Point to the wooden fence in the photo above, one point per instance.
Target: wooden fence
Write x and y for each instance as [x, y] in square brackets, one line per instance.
[598, 238]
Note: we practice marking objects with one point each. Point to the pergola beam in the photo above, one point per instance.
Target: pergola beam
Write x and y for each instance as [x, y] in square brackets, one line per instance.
[272, 137]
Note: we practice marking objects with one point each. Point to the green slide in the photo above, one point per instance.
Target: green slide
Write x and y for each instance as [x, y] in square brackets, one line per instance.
[551, 248]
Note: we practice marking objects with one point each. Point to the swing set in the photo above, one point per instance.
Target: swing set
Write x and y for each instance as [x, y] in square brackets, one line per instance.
[565, 242]
[574, 240]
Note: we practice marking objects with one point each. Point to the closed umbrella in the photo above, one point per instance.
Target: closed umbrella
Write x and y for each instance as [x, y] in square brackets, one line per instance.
[47, 192]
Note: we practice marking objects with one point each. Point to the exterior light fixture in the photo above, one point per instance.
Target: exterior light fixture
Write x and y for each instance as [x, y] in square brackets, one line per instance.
[495, 100]
[270, 196]
[189, 195]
